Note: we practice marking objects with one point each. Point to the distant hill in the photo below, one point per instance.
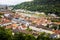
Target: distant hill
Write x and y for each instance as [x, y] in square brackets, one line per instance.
[40, 5]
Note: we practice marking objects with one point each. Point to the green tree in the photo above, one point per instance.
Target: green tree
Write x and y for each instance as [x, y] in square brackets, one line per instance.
[4, 35]
[19, 36]
[44, 36]
[30, 37]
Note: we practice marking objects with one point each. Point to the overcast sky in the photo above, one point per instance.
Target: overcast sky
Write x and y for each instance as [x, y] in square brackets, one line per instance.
[12, 2]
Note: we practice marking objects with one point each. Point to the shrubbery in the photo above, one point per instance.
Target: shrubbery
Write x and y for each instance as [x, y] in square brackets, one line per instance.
[6, 34]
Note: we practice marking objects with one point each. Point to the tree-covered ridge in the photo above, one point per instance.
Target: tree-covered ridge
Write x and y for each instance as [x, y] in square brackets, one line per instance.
[47, 1]
[40, 5]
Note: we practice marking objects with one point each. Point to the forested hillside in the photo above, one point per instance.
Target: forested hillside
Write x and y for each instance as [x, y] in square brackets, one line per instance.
[41, 6]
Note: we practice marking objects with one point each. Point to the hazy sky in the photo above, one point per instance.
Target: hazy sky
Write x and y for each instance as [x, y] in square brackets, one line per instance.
[12, 2]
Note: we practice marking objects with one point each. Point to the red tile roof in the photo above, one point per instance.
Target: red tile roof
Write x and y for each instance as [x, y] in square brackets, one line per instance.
[56, 31]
